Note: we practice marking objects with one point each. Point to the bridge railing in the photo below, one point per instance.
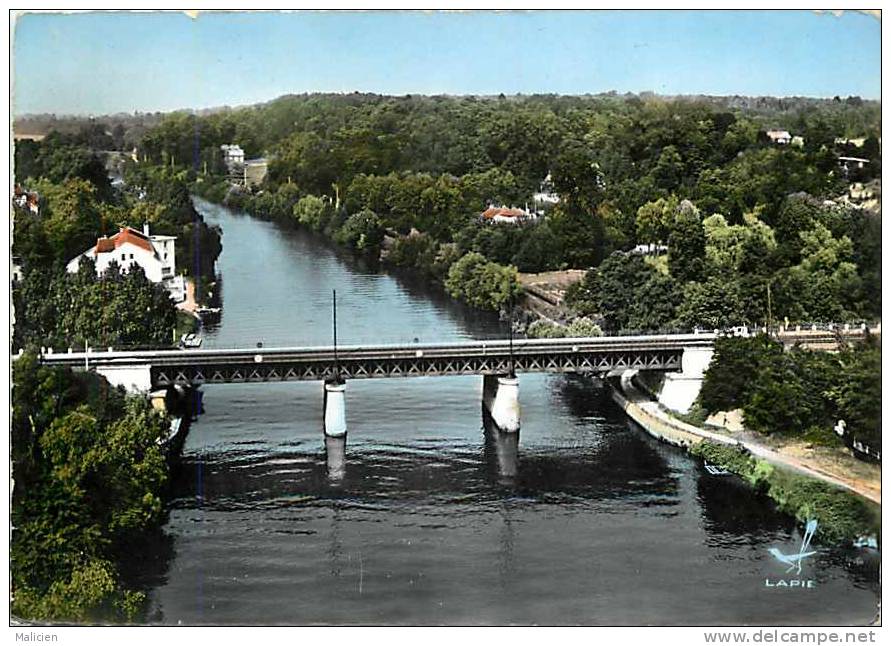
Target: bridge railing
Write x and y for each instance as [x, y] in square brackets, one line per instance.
[498, 347]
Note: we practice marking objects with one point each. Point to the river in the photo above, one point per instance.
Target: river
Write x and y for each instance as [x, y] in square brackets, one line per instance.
[427, 517]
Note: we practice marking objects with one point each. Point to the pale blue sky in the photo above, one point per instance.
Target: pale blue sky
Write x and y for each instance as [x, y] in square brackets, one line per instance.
[109, 62]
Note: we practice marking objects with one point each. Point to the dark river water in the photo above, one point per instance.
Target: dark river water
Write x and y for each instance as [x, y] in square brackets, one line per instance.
[427, 517]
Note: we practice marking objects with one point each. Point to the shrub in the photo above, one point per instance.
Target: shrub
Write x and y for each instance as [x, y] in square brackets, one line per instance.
[543, 329]
[841, 515]
[482, 284]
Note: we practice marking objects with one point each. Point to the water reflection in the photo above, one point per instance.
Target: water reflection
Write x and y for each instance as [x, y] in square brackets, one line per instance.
[502, 452]
[728, 514]
[335, 458]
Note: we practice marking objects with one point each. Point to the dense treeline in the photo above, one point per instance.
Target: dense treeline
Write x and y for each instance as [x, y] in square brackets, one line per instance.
[320, 139]
[697, 175]
[120, 131]
[61, 310]
[799, 392]
[814, 262]
[88, 474]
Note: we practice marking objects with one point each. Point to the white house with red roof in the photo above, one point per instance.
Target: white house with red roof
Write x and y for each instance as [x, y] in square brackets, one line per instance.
[129, 247]
[505, 214]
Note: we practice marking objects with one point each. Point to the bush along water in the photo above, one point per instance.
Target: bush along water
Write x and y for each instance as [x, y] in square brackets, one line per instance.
[842, 516]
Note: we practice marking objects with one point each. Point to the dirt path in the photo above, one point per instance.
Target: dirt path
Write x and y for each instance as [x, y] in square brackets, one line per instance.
[834, 466]
[189, 305]
[545, 292]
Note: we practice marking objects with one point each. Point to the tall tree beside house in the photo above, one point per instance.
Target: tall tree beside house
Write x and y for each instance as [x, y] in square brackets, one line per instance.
[71, 217]
[655, 219]
[71, 310]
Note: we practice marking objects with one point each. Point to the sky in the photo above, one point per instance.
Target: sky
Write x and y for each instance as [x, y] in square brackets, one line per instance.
[103, 62]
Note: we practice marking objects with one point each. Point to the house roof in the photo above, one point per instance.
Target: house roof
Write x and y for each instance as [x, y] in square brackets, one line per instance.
[124, 236]
[504, 212]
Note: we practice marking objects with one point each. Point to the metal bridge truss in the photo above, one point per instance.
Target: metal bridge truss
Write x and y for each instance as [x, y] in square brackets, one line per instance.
[269, 369]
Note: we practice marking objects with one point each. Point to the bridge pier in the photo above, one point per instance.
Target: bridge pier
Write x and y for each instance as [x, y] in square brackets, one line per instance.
[681, 389]
[134, 379]
[501, 397]
[335, 408]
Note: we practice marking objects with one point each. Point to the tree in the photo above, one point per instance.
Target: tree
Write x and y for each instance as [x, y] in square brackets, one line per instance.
[669, 169]
[734, 369]
[312, 212]
[482, 284]
[654, 304]
[95, 472]
[362, 231]
[609, 291]
[714, 303]
[686, 244]
[858, 393]
[71, 216]
[579, 234]
[654, 220]
[825, 283]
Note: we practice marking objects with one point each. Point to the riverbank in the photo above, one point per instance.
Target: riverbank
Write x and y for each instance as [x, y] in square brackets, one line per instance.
[844, 511]
[462, 273]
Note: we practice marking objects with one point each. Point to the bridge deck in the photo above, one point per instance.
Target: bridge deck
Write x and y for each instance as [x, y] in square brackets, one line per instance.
[584, 355]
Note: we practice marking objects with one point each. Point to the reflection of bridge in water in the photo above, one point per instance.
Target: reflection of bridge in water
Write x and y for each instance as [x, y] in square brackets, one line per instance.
[683, 356]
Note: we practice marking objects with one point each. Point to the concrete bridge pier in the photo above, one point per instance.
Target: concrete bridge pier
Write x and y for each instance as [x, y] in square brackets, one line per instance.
[680, 389]
[501, 397]
[134, 379]
[335, 408]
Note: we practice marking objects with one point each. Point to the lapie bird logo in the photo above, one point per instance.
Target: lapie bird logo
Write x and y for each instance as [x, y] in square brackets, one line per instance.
[794, 560]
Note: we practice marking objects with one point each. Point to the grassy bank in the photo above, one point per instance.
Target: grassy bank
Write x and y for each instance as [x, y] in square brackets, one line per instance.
[842, 516]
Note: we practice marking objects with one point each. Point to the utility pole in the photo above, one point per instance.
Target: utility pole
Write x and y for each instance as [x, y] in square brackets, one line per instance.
[769, 312]
[510, 335]
[334, 309]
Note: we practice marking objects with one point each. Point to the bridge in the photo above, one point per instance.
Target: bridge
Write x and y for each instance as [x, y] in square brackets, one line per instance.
[683, 357]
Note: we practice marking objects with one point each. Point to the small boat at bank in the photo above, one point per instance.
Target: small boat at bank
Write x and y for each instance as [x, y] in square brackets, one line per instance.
[191, 341]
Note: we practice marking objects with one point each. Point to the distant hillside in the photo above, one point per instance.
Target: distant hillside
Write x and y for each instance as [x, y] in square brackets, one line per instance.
[136, 124]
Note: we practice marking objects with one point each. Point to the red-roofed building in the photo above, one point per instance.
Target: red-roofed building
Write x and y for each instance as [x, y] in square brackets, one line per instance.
[128, 247]
[28, 200]
[503, 213]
